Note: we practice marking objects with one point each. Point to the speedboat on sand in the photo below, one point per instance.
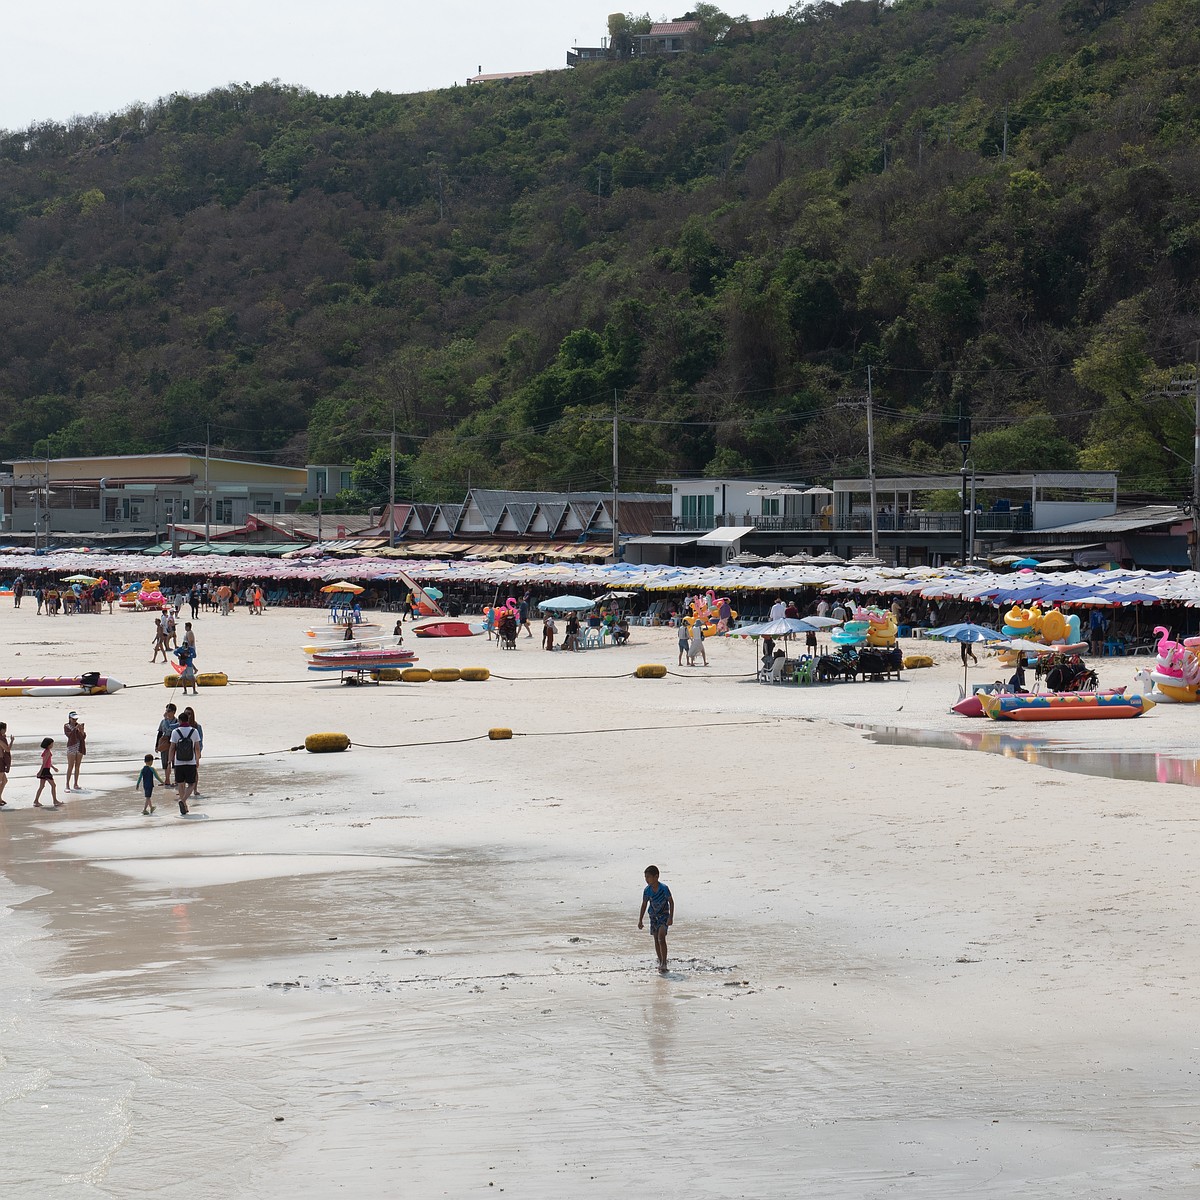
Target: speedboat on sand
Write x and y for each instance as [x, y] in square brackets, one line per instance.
[445, 627]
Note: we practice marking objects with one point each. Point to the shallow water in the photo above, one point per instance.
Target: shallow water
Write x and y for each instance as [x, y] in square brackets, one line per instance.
[1148, 766]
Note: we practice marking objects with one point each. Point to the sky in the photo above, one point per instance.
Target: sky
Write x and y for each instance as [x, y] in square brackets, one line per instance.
[66, 58]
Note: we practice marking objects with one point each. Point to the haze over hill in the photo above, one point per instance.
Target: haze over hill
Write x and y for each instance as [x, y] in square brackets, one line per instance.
[993, 206]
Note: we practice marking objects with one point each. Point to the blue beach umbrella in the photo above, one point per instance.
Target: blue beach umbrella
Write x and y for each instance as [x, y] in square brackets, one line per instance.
[567, 604]
[966, 632]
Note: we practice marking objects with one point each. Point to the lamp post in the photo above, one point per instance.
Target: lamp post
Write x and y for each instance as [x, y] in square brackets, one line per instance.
[320, 502]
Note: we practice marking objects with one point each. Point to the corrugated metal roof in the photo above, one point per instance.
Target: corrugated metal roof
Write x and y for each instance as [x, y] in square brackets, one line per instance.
[1128, 521]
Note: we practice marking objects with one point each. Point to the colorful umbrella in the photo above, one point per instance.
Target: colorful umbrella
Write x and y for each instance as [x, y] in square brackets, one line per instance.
[343, 586]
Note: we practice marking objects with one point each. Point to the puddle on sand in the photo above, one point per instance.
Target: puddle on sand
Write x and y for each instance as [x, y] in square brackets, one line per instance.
[1147, 765]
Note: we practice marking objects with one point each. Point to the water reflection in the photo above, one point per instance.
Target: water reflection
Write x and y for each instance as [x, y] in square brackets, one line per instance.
[1147, 765]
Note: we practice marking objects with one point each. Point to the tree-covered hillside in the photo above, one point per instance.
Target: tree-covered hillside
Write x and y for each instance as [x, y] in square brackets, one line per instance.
[995, 205]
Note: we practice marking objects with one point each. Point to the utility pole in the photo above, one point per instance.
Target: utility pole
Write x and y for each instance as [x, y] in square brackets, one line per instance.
[616, 498]
[392, 487]
[1194, 548]
[207, 491]
[47, 494]
[320, 499]
[871, 466]
[964, 444]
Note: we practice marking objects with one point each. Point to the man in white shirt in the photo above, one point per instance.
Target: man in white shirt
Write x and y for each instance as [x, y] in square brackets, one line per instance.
[777, 611]
[822, 607]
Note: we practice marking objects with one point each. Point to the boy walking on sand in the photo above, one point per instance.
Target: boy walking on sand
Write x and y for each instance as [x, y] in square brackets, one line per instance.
[657, 897]
[145, 780]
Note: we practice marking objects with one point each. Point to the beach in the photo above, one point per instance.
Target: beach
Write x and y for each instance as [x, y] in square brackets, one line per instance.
[413, 969]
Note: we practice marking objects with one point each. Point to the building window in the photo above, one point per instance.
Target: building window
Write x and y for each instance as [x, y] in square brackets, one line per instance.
[770, 506]
[187, 509]
[346, 481]
[696, 511]
[322, 481]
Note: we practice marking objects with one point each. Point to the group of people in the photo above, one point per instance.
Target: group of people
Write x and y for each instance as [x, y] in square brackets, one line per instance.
[76, 739]
[691, 644]
[179, 742]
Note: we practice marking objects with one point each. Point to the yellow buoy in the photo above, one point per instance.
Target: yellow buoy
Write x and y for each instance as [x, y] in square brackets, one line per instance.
[415, 675]
[499, 735]
[475, 674]
[445, 674]
[170, 681]
[212, 679]
[912, 661]
[650, 671]
[388, 674]
[326, 743]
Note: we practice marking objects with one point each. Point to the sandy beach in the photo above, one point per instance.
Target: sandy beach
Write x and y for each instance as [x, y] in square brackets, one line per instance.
[414, 970]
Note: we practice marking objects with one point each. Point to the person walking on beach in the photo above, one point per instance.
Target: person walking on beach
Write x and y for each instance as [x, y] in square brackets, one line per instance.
[169, 630]
[523, 610]
[6, 745]
[777, 610]
[160, 641]
[191, 716]
[224, 595]
[46, 775]
[145, 780]
[696, 646]
[194, 600]
[189, 638]
[185, 755]
[76, 749]
[187, 677]
[18, 591]
[658, 899]
[549, 629]
[967, 652]
[162, 740]
[683, 643]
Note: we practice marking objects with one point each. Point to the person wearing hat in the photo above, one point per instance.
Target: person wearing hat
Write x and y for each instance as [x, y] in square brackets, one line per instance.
[76, 749]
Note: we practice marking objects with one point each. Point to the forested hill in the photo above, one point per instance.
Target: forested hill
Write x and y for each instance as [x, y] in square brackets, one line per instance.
[995, 205]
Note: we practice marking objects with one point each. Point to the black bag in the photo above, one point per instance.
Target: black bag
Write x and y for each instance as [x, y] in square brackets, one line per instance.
[185, 748]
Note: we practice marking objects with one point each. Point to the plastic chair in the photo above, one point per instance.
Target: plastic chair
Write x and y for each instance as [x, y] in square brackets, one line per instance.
[806, 670]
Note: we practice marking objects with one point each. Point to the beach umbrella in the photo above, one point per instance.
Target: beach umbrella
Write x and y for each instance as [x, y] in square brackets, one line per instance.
[966, 633]
[88, 579]
[567, 604]
[432, 592]
[342, 586]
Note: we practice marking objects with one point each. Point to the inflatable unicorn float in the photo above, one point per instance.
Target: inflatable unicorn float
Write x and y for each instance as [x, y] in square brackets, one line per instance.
[1176, 673]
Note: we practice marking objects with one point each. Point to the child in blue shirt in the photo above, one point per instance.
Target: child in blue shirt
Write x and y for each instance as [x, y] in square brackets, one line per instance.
[657, 897]
[145, 780]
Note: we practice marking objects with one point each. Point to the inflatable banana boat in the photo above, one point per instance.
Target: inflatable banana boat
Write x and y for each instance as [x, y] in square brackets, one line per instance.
[1064, 706]
[972, 707]
[88, 684]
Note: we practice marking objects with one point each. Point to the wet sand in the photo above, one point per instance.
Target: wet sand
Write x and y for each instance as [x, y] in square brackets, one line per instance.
[895, 970]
